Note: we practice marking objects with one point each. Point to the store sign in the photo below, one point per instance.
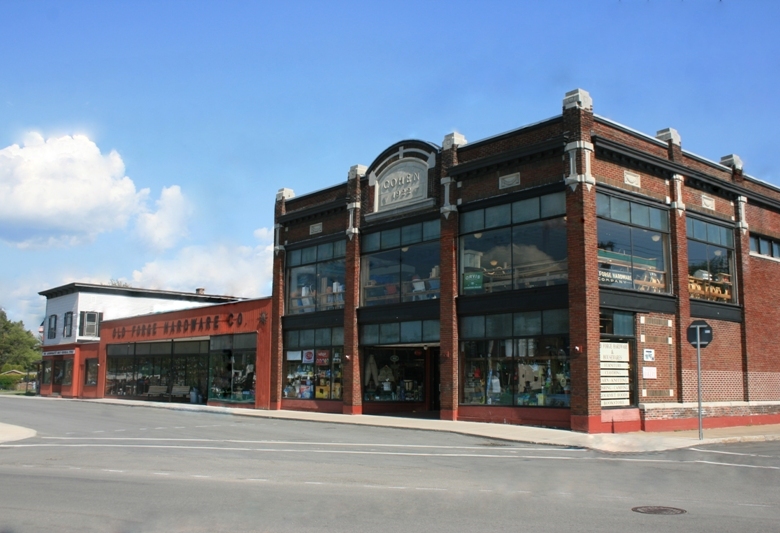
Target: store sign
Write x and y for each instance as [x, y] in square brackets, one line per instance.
[616, 278]
[472, 280]
[323, 357]
[192, 326]
[615, 381]
[402, 184]
[59, 352]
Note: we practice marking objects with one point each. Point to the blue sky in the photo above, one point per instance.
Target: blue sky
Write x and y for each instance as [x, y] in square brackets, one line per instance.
[145, 141]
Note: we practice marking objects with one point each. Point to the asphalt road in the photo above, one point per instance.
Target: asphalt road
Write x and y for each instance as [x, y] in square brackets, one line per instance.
[114, 468]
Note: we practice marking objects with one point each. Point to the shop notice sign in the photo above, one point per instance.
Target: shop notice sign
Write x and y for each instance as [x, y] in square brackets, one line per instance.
[615, 385]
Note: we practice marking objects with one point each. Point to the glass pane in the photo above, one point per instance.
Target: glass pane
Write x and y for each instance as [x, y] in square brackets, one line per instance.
[602, 205]
[381, 276]
[525, 210]
[498, 326]
[764, 247]
[529, 323]
[555, 321]
[309, 255]
[164, 348]
[291, 339]
[322, 337]
[339, 248]
[649, 260]
[431, 230]
[472, 221]
[699, 230]
[307, 338]
[623, 323]
[294, 258]
[371, 242]
[337, 336]
[394, 375]
[420, 272]
[142, 348]
[472, 327]
[246, 341]
[659, 219]
[539, 253]
[753, 244]
[431, 330]
[553, 204]
[614, 243]
[775, 249]
[391, 238]
[474, 373]
[389, 333]
[411, 331]
[689, 227]
[640, 214]
[500, 215]
[411, 234]
[620, 209]
[370, 335]
[325, 251]
[486, 262]
[302, 289]
[330, 285]
[186, 347]
[726, 237]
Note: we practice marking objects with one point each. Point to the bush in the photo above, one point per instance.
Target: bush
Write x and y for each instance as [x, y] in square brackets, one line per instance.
[9, 382]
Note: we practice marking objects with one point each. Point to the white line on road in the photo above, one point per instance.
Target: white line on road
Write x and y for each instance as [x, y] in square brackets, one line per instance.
[161, 473]
[733, 453]
[118, 471]
[100, 431]
[197, 475]
[118, 430]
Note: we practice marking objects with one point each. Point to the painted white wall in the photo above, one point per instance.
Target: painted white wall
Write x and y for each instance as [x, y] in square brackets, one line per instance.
[111, 305]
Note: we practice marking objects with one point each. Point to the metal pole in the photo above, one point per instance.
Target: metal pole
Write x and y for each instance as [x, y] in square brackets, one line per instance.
[698, 376]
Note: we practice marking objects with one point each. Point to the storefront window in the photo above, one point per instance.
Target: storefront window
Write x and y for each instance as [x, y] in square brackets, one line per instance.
[516, 359]
[316, 277]
[313, 364]
[394, 374]
[46, 368]
[67, 377]
[58, 371]
[91, 372]
[514, 246]
[633, 242]
[401, 264]
[710, 261]
[233, 359]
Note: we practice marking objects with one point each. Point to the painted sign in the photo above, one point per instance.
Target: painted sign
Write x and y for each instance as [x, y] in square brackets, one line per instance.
[402, 184]
[472, 280]
[615, 379]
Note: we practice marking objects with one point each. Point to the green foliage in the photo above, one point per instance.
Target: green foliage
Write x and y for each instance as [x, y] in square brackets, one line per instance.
[17, 345]
[9, 382]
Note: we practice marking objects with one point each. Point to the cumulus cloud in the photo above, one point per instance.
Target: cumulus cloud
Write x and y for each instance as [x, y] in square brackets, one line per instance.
[63, 189]
[163, 229]
[220, 269]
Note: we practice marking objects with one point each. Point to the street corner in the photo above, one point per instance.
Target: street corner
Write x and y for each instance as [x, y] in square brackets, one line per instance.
[10, 433]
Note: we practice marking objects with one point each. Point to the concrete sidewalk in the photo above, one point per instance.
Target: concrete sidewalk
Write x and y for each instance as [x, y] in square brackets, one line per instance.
[610, 443]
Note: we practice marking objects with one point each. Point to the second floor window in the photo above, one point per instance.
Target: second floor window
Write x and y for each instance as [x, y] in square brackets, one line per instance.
[52, 333]
[633, 242]
[67, 326]
[710, 261]
[89, 323]
[315, 278]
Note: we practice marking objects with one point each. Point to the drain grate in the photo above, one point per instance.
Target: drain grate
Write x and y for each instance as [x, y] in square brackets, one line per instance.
[655, 509]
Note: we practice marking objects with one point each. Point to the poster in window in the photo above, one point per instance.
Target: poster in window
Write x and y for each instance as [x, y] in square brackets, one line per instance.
[308, 357]
[294, 356]
[323, 357]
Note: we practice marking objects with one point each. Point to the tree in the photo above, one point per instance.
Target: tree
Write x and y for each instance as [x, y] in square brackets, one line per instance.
[17, 345]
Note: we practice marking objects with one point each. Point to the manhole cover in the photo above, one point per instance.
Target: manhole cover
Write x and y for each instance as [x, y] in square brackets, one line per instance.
[654, 509]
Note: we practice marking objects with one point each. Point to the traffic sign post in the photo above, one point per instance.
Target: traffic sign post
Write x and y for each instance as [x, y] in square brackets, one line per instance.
[699, 335]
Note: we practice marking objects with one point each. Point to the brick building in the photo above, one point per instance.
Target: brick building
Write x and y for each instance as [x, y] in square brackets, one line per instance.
[543, 276]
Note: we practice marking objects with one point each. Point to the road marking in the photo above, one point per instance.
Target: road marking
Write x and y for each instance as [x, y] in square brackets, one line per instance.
[754, 505]
[161, 473]
[101, 431]
[160, 428]
[733, 453]
[197, 475]
[430, 488]
[118, 430]
[118, 471]
[179, 427]
[314, 483]
[256, 479]
[742, 466]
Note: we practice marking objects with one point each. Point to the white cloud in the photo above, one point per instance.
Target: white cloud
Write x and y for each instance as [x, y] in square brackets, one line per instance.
[63, 190]
[162, 230]
[220, 269]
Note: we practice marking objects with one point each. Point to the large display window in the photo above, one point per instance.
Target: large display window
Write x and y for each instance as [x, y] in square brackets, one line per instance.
[90, 372]
[633, 245]
[516, 359]
[315, 278]
[313, 364]
[393, 374]
[232, 360]
[710, 261]
[46, 370]
[514, 246]
[401, 264]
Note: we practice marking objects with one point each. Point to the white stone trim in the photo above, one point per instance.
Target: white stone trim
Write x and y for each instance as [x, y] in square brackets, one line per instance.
[742, 224]
[452, 140]
[284, 194]
[669, 134]
[578, 98]
[695, 405]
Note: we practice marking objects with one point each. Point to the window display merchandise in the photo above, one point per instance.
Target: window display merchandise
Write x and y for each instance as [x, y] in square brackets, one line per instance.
[313, 364]
[394, 375]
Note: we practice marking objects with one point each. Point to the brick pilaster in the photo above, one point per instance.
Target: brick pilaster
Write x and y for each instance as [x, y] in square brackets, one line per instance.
[277, 302]
[353, 399]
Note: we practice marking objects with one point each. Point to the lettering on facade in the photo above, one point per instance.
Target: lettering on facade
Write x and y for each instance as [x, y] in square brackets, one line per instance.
[404, 183]
[210, 324]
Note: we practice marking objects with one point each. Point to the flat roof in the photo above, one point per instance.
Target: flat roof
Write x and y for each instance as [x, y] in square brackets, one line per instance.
[135, 292]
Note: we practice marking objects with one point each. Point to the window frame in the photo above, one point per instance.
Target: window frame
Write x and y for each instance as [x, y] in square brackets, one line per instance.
[710, 284]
